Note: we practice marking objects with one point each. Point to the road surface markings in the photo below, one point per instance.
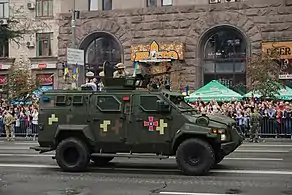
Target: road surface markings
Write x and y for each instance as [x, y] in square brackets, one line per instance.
[171, 157]
[264, 145]
[288, 172]
[188, 193]
[263, 151]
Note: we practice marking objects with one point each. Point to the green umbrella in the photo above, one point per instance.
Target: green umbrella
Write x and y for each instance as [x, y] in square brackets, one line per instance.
[252, 94]
[214, 91]
[285, 94]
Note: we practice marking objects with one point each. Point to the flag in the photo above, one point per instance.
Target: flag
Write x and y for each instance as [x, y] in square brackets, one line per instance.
[75, 72]
[137, 69]
[66, 70]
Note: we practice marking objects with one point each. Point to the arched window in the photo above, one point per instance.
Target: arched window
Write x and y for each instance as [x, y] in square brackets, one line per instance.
[224, 58]
[101, 47]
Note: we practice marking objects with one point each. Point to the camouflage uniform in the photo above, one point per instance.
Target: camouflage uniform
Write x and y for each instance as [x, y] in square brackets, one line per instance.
[255, 119]
[8, 120]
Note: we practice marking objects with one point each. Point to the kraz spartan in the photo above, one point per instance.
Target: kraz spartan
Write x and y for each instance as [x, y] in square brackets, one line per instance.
[127, 120]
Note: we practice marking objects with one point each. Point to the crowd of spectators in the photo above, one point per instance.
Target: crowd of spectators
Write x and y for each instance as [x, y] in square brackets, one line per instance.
[24, 120]
[277, 115]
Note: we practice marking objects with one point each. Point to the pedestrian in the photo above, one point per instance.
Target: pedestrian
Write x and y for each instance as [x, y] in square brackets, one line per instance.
[255, 125]
[8, 120]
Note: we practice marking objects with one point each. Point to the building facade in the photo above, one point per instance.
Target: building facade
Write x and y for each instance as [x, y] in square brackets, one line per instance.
[39, 42]
[217, 36]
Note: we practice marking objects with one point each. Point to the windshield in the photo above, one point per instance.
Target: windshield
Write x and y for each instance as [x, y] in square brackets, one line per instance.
[182, 105]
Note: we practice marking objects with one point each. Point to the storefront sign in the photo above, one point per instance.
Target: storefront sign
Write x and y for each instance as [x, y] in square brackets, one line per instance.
[284, 49]
[45, 79]
[42, 65]
[157, 53]
[3, 79]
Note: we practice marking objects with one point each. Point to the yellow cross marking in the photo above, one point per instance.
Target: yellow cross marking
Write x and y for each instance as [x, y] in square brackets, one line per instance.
[104, 125]
[161, 127]
[52, 119]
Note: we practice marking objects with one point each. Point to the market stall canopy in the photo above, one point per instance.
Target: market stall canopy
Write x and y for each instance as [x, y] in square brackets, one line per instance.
[284, 94]
[252, 93]
[214, 91]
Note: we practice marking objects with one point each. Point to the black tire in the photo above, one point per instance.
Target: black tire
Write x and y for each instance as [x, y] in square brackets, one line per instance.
[198, 150]
[72, 155]
[100, 161]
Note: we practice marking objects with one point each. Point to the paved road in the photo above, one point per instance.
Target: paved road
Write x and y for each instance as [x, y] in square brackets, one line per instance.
[264, 168]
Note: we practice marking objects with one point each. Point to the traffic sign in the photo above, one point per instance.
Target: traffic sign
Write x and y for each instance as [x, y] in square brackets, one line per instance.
[75, 56]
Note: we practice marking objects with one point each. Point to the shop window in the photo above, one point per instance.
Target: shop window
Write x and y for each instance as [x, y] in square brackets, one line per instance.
[44, 8]
[4, 9]
[102, 48]
[225, 57]
[106, 4]
[166, 2]
[151, 3]
[149, 103]
[4, 50]
[44, 44]
[108, 103]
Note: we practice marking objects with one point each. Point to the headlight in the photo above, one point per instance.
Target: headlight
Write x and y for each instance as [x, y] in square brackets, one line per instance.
[221, 133]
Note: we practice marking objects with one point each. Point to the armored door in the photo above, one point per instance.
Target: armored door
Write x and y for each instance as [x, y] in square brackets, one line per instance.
[150, 132]
[107, 121]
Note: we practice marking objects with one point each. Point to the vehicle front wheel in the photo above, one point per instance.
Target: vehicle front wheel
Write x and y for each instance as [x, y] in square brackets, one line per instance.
[195, 157]
[72, 155]
[101, 161]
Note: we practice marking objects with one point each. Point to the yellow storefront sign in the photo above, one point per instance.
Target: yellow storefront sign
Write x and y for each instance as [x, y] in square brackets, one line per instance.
[157, 53]
[283, 48]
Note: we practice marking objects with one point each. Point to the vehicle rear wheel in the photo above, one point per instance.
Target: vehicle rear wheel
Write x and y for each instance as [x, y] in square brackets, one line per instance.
[100, 161]
[72, 155]
[195, 157]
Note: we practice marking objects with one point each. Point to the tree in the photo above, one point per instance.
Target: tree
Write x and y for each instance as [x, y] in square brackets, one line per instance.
[21, 82]
[7, 33]
[21, 23]
[263, 71]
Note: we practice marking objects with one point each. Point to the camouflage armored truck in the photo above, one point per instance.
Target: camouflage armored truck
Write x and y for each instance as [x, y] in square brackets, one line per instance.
[125, 121]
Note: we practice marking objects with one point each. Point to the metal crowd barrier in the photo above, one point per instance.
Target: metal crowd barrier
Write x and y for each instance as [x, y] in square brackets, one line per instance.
[270, 127]
[24, 129]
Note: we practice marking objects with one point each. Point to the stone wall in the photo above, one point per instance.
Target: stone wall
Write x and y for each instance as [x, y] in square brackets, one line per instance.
[187, 24]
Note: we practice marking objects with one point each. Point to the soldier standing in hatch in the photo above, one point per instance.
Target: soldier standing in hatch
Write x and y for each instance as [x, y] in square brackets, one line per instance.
[255, 124]
[120, 72]
[8, 120]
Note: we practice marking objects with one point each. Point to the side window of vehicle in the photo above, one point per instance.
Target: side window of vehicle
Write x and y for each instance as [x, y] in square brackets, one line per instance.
[108, 104]
[148, 103]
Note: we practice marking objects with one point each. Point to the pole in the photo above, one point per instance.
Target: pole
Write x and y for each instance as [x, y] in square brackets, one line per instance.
[73, 28]
[73, 25]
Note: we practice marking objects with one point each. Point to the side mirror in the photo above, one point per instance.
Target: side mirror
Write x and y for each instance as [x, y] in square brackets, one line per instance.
[163, 107]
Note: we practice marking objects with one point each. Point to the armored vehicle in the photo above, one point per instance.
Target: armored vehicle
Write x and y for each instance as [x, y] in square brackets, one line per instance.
[123, 120]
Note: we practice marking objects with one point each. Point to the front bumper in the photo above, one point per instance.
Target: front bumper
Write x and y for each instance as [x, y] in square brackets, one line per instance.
[237, 138]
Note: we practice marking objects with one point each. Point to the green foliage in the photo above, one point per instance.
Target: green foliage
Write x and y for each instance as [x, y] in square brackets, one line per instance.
[263, 72]
[21, 82]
